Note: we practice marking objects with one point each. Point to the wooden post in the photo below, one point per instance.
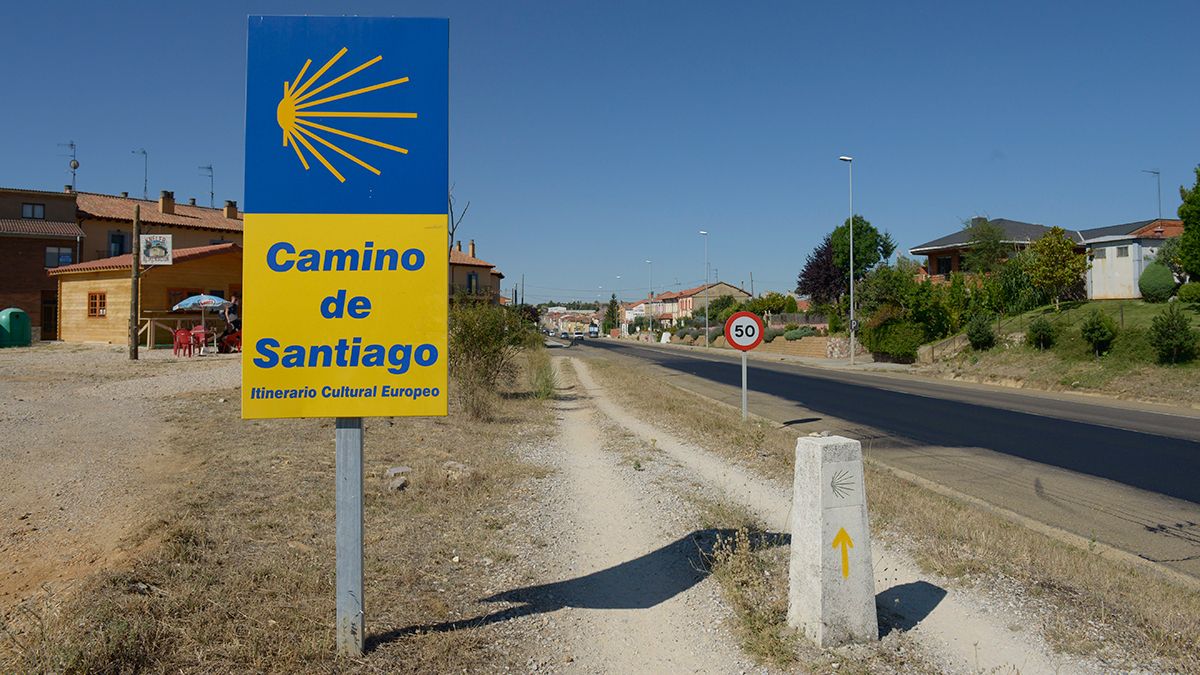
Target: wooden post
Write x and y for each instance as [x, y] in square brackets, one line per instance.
[133, 291]
[349, 534]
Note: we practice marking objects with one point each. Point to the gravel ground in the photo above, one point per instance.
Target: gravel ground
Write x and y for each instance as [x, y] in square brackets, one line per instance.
[83, 455]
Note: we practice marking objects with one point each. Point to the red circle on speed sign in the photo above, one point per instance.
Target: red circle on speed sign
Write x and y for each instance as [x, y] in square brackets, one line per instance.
[744, 331]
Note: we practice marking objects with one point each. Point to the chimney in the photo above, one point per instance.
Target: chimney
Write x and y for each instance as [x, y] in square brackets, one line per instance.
[230, 209]
[978, 220]
[191, 201]
[471, 248]
[166, 202]
[125, 194]
[458, 245]
[68, 189]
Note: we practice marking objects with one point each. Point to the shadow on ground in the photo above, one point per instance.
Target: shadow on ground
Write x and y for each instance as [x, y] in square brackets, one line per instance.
[902, 607]
[640, 583]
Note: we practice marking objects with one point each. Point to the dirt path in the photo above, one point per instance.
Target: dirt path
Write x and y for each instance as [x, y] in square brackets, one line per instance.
[629, 595]
[83, 455]
[963, 631]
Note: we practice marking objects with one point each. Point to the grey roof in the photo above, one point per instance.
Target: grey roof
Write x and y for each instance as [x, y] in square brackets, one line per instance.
[1014, 231]
[1115, 230]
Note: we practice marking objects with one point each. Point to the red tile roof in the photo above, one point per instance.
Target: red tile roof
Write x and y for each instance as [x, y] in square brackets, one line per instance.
[457, 257]
[126, 261]
[109, 207]
[39, 228]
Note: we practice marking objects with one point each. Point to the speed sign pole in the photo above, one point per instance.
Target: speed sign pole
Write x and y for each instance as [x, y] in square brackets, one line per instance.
[743, 332]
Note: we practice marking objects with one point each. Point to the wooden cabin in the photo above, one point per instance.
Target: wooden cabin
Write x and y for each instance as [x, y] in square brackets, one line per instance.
[93, 296]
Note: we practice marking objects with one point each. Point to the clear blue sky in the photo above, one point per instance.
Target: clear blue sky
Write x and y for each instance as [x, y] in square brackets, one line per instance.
[590, 136]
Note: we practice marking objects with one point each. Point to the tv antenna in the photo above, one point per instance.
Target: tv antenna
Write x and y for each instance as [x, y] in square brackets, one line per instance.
[74, 163]
[1158, 177]
[208, 169]
[145, 171]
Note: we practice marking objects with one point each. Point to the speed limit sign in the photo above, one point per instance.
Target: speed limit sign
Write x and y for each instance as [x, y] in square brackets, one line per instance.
[744, 331]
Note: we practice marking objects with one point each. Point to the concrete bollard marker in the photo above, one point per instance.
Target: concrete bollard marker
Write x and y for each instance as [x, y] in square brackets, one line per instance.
[831, 595]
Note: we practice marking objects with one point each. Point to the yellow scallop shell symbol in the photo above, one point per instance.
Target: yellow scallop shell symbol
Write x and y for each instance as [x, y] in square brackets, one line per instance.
[296, 111]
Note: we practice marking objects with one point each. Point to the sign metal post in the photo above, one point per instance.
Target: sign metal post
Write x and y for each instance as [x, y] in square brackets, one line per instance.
[349, 526]
[744, 331]
[744, 413]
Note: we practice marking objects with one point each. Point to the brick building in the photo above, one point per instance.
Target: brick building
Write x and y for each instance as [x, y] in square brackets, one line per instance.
[37, 231]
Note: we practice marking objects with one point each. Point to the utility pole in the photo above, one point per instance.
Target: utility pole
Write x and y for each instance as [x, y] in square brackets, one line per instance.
[134, 282]
[522, 289]
[752, 284]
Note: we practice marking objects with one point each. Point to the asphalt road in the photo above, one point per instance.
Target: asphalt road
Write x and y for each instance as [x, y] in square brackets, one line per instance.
[1123, 473]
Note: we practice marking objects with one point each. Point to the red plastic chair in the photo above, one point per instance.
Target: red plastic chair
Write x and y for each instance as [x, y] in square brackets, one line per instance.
[183, 341]
[199, 338]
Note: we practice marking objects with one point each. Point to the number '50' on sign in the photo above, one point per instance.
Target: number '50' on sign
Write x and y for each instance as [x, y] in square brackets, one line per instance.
[744, 331]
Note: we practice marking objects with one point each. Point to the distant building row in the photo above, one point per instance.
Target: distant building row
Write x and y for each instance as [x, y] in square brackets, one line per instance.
[670, 308]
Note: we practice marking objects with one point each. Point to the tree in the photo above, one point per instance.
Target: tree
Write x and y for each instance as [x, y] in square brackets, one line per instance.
[886, 285]
[452, 223]
[1172, 334]
[1056, 267]
[1189, 243]
[1099, 330]
[870, 247]
[820, 279]
[1169, 255]
[988, 250]
[612, 316]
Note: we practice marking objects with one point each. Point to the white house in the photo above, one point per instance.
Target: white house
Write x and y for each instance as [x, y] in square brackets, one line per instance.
[1120, 253]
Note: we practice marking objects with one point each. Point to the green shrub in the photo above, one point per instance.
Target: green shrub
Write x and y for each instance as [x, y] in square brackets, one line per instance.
[1172, 335]
[837, 323]
[980, 333]
[772, 333]
[1040, 333]
[1156, 283]
[1190, 292]
[791, 326]
[797, 333]
[1098, 330]
[484, 342]
[898, 341]
[890, 335]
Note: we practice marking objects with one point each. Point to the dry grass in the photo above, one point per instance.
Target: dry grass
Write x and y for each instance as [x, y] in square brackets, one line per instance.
[751, 567]
[238, 575]
[1096, 605]
[754, 443]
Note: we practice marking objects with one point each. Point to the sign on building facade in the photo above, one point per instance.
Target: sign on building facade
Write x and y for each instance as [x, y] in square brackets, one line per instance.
[155, 249]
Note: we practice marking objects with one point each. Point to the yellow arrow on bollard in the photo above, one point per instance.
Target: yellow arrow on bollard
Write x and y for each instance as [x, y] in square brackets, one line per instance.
[842, 539]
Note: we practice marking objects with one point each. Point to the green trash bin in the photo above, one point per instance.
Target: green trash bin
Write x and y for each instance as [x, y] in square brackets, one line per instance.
[15, 329]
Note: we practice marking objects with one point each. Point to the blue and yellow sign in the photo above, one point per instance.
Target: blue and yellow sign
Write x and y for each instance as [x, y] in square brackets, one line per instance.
[345, 272]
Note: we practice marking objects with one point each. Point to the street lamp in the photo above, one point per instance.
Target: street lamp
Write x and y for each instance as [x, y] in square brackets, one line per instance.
[704, 233]
[853, 324]
[649, 291]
